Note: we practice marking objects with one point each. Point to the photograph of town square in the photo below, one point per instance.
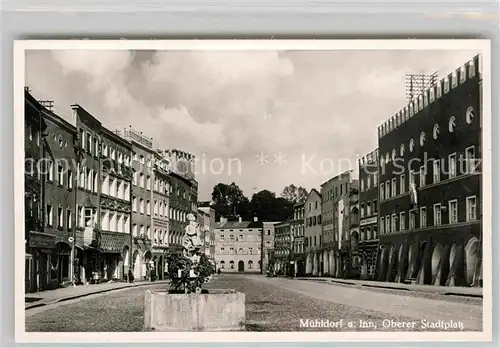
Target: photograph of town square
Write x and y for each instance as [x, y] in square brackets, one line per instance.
[320, 190]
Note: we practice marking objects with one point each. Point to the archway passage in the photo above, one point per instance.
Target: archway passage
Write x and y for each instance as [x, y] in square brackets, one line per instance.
[437, 260]
[471, 251]
[241, 266]
[60, 260]
[136, 265]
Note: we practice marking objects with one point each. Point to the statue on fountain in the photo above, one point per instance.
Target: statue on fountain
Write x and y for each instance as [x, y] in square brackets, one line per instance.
[192, 244]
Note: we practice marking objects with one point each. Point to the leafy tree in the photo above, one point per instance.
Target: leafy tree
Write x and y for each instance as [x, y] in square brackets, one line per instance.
[294, 194]
[267, 207]
[202, 270]
[229, 200]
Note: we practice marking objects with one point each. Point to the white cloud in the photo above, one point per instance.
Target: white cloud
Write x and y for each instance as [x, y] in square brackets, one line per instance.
[326, 104]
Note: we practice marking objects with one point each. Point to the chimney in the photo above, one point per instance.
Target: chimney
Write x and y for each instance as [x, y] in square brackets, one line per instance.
[255, 219]
[239, 219]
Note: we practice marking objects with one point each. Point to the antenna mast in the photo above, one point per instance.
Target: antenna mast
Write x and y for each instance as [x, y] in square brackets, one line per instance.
[416, 84]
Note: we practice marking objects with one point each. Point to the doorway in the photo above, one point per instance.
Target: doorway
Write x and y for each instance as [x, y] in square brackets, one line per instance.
[241, 266]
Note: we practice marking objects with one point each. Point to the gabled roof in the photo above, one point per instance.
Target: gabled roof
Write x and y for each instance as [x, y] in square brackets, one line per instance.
[238, 225]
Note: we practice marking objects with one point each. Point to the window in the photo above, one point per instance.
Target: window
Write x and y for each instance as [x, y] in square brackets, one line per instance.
[422, 139]
[423, 217]
[231, 264]
[452, 165]
[411, 145]
[60, 217]
[60, 175]
[240, 238]
[453, 211]
[402, 221]
[70, 179]
[470, 161]
[471, 208]
[68, 218]
[49, 215]
[452, 124]
[148, 182]
[134, 204]
[437, 214]
[362, 206]
[436, 171]
[89, 143]
[402, 150]
[362, 185]
[469, 115]
[141, 180]
[413, 218]
[222, 237]
[375, 209]
[382, 225]
[50, 171]
[422, 176]
[368, 209]
[141, 206]
[435, 131]
[394, 190]
[388, 224]
[382, 191]
[402, 188]
[387, 190]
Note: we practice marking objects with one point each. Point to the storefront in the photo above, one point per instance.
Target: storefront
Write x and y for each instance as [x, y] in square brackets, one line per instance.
[38, 261]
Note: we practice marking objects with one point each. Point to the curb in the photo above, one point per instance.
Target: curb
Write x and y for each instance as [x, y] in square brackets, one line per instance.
[73, 297]
[449, 292]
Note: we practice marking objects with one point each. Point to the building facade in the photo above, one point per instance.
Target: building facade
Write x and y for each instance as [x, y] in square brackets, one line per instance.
[180, 206]
[238, 246]
[312, 233]
[334, 209]
[143, 157]
[267, 244]
[38, 245]
[430, 185]
[283, 248]
[208, 223]
[298, 240]
[368, 224]
[115, 205]
[161, 190]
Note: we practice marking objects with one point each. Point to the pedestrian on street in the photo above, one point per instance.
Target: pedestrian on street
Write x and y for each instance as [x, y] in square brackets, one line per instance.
[130, 276]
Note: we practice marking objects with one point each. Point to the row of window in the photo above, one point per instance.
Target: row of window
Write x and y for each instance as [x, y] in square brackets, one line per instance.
[368, 233]
[335, 192]
[115, 222]
[282, 252]
[312, 241]
[298, 231]
[371, 208]
[115, 187]
[389, 188]
[469, 117]
[371, 179]
[313, 221]
[63, 218]
[231, 264]
[298, 248]
[298, 214]
[241, 251]
[391, 224]
[241, 238]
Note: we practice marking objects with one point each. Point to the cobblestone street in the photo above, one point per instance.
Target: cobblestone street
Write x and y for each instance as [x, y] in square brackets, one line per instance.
[272, 304]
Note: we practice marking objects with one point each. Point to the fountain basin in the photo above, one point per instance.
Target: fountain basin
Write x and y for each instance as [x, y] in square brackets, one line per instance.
[219, 310]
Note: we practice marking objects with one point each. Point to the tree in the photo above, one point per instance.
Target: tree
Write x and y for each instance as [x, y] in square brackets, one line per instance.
[229, 200]
[267, 207]
[294, 194]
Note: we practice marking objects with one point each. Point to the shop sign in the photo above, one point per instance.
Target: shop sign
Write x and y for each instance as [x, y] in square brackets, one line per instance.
[368, 221]
[41, 240]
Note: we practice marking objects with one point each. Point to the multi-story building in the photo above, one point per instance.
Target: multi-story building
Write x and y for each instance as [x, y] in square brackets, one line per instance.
[115, 205]
[352, 261]
[368, 224]
[179, 206]
[142, 197]
[267, 243]
[87, 223]
[39, 245]
[335, 200]
[298, 241]
[283, 248]
[182, 163]
[430, 184]
[161, 189]
[312, 233]
[208, 224]
[238, 246]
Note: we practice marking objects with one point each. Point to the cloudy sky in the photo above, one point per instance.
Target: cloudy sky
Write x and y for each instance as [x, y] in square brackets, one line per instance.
[307, 114]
